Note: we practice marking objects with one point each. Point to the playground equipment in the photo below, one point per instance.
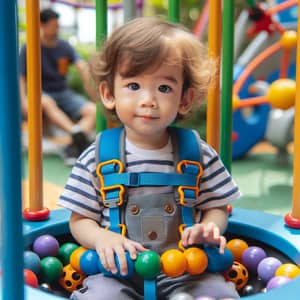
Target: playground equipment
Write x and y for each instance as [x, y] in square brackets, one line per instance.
[275, 231]
[269, 56]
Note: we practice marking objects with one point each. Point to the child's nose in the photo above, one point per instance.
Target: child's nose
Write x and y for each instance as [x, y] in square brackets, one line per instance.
[149, 100]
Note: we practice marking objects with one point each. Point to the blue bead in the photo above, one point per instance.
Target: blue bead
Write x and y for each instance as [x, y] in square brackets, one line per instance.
[32, 262]
[218, 262]
[89, 262]
[130, 266]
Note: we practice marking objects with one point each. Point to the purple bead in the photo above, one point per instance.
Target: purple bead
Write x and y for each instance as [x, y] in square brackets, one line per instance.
[267, 268]
[252, 256]
[46, 245]
[277, 281]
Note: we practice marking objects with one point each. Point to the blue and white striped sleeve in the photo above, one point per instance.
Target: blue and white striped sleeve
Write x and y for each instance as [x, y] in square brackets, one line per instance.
[81, 194]
[217, 187]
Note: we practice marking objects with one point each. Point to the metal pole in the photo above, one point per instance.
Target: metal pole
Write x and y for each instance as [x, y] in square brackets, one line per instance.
[293, 218]
[174, 11]
[101, 33]
[35, 156]
[227, 80]
[214, 52]
[10, 156]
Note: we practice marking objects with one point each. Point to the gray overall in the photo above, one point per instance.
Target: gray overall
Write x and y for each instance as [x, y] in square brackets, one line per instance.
[153, 220]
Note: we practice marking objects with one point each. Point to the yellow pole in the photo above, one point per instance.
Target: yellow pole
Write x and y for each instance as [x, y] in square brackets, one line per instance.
[214, 52]
[293, 218]
[34, 105]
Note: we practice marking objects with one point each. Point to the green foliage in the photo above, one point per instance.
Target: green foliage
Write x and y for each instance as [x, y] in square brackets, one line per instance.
[21, 18]
[75, 82]
[190, 10]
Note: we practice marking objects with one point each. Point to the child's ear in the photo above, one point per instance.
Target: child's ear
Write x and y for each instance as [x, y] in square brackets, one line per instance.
[107, 98]
[187, 101]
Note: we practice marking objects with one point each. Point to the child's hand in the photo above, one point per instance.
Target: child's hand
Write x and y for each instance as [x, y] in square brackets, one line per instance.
[203, 233]
[117, 244]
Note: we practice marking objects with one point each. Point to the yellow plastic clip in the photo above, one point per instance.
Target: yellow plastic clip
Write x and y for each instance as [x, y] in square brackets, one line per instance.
[104, 189]
[195, 188]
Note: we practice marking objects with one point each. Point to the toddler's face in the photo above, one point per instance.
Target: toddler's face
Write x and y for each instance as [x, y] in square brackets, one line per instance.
[147, 103]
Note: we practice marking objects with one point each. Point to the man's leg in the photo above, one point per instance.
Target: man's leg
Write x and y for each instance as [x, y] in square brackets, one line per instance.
[55, 115]
[82, 111]
[88, 117]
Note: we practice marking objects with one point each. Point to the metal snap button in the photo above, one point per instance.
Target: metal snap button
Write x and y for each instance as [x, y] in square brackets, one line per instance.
[152, 235]
[169, 208]
[134, 209]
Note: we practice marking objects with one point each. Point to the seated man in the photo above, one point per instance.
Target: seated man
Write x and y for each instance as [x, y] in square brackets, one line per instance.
[62, 106]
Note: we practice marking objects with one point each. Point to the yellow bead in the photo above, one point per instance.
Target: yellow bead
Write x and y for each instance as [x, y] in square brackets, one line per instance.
[75, 258]
[289, 39]
[282, 93]
[235, 102]
[289, 270]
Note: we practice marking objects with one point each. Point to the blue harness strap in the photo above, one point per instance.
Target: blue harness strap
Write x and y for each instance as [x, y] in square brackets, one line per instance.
[108, 149]
[189, 152]
[110, 144]
[188, 148]
[113, 178]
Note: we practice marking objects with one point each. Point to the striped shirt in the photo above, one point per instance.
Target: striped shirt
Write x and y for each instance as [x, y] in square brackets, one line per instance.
[81, 193]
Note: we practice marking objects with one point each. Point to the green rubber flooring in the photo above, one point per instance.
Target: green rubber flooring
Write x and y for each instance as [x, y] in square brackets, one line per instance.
[265, 185]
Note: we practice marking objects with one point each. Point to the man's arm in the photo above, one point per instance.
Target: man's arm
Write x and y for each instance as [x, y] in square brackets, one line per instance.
[84, 74]
[23, 97]
[22, 81]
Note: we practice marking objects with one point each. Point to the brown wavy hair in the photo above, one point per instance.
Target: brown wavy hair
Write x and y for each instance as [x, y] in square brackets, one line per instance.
[144, 44]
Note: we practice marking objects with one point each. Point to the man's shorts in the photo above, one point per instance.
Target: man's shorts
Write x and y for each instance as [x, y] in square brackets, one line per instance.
[69, 102]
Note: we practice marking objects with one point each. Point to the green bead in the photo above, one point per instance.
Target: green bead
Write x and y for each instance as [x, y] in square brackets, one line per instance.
[51, 269]
[147, 264]
[65, 251]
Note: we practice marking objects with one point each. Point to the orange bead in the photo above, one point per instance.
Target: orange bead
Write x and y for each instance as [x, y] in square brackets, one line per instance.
[238, 274]
[75, 258]
[197, 260]
[173, 263]
[71, 279]
[289, 270]
[237, 247]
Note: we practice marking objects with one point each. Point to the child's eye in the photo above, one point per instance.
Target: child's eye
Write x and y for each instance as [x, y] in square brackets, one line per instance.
[164, 88]
[133, 86]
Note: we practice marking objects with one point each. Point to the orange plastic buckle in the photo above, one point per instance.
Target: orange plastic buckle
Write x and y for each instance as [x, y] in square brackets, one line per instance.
[180, 229]
[104, 189]
[181, 188]
[123, 229]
